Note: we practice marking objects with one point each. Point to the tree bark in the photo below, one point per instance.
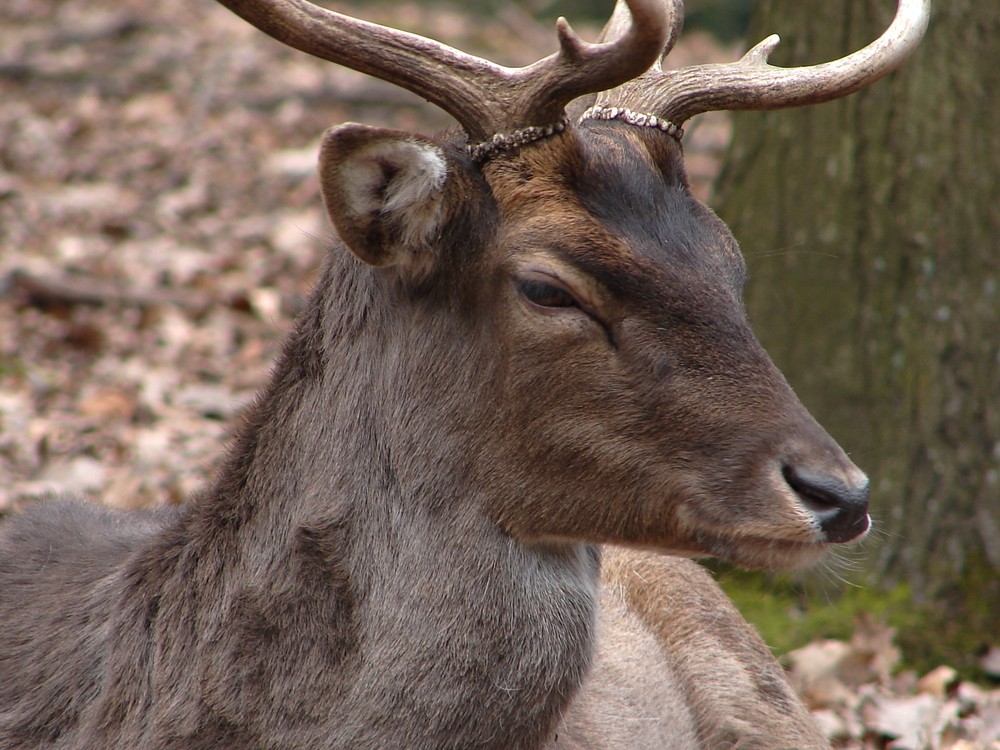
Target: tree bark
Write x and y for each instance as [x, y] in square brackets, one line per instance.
[871, 227]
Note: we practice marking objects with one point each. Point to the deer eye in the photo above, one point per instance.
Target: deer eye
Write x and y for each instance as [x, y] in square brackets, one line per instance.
[545, 295]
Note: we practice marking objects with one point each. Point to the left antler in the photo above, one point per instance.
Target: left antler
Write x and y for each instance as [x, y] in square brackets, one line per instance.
[485, 98]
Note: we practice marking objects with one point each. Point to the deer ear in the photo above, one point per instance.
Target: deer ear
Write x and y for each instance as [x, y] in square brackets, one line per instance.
[384, 191]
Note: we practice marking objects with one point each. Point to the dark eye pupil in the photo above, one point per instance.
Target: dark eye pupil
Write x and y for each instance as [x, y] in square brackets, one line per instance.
[545, 295]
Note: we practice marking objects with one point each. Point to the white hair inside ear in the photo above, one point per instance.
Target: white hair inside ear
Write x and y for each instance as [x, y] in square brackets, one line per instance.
[383, 190]
[398, 177]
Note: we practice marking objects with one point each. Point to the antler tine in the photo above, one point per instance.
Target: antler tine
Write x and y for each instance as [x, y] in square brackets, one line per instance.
[621, 18]
[483, 97]
[752, 84]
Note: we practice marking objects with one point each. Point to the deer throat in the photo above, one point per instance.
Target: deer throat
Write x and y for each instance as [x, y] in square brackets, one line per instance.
[489, 655]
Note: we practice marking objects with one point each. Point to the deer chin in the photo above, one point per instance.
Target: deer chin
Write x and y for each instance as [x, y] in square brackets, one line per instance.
[752, 553]
[793, 543]
[759, 553]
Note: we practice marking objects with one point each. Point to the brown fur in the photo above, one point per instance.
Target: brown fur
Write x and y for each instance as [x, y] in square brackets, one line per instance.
[400, 550]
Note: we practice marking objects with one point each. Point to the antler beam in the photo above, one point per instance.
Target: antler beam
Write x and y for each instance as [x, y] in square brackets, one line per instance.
[752, 84]
[483, 97]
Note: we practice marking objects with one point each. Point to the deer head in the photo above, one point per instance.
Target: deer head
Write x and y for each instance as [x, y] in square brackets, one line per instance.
[546, 322]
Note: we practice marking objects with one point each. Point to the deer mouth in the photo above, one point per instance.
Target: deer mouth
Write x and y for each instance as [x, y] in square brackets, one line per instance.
[790, 524]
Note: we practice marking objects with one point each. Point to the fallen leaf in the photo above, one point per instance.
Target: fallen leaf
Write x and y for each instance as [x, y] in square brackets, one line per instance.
[906, 720]
[990, 662]
[938, 682]
[108, 403]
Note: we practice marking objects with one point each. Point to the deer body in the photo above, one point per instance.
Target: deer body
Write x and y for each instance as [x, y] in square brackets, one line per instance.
[527, 354]
[287, 674]
[347, 582]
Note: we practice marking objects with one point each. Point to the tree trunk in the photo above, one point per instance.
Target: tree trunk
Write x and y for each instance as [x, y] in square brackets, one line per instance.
[872, 229]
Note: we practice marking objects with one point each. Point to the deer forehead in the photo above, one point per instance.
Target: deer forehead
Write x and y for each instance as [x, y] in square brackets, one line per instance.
[617, 211]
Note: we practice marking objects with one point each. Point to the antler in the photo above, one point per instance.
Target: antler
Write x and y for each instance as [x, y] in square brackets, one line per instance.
[485, 98]
[751, 83]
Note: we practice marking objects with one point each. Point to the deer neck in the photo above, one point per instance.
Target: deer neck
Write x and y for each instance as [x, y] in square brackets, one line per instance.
[339, 475]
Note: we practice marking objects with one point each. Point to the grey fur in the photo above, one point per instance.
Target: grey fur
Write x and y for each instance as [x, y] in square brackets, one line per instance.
[400, 549]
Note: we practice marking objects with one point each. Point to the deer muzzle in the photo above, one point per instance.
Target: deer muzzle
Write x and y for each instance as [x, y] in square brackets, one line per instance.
[838, 500]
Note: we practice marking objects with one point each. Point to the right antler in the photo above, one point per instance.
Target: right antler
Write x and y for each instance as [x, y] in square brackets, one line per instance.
[486, 99]
[751, 83]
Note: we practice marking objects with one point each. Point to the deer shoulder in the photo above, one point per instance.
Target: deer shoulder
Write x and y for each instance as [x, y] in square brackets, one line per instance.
[677, 666]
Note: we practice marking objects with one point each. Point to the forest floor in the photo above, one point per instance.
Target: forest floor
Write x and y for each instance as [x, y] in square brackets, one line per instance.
[160, 224]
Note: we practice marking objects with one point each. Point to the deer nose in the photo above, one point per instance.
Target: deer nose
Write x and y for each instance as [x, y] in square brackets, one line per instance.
[839, 503]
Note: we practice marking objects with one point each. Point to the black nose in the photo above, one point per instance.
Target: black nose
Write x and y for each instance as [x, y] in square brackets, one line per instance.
[841, 507]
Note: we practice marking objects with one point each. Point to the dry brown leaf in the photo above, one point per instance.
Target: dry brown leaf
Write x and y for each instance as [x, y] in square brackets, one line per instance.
[108, 403]
[990, 662]
[906, 720]
[938, 682]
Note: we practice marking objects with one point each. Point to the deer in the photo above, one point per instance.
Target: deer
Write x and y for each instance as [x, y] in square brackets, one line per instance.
[522, 398]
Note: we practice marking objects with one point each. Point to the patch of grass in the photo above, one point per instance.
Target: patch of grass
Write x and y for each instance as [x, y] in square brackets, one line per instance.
[790, 612]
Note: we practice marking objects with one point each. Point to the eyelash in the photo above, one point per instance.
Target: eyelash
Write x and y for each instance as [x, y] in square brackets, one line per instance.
[554, 297]
[545, 295]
